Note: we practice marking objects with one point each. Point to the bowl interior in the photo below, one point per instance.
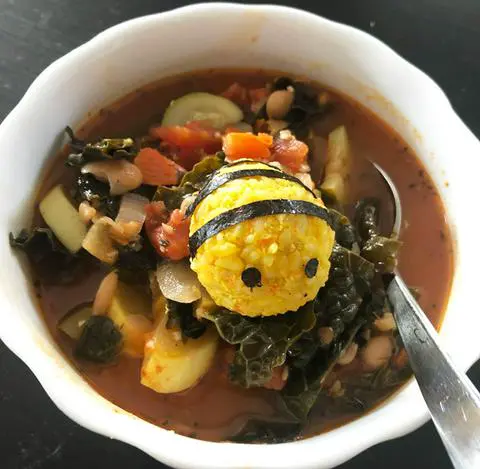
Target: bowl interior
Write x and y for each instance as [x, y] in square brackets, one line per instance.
[136, 53]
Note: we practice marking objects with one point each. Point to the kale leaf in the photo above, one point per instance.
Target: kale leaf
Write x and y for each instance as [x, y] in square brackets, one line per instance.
[259, 431]
[47, 256]
[97, 193]
[192, 181]
[262, 342]
[304, 385]
[104, 149]
[100, 341]
[180, 316]
[380, 250]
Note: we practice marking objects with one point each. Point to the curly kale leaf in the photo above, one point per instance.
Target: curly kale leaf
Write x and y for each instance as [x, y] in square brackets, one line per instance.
[304, 109]
[97, 193]
[380, 250]
[104, 149]
[180, 316]
[305, 385]
[262, 342]
[198, 175]
[260, 431]
[100, 341]
[191, 182]
[344, 231]
[135, 261]
[49, 259]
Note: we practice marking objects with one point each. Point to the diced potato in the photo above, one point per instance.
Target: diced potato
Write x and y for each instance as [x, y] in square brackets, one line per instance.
[131, 310]
[63, 219]
[337, 167]
[171, 365]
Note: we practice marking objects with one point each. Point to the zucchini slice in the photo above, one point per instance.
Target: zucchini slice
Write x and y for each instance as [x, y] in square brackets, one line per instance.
[218, 111]
[72, 324]
[63, 219]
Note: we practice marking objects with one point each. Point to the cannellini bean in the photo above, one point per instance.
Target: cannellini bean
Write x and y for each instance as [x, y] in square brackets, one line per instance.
[377, 352]
[326, 335]
[348, 355]
[386, 323]
[120, 174]
[279, 103]
[105, 292]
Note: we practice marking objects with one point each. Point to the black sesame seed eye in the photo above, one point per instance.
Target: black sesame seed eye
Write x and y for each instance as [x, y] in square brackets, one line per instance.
[311, 268]
[252, 277]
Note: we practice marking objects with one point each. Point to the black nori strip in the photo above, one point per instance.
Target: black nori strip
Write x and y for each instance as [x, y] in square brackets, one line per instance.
[257, 209]
[252, 277]
[311, 268]
[220, 179]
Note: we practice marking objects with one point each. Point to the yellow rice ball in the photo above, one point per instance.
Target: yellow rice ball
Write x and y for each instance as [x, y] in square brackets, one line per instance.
[278, 246]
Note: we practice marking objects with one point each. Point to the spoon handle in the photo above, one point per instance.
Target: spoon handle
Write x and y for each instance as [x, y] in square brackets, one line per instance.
[452, 399]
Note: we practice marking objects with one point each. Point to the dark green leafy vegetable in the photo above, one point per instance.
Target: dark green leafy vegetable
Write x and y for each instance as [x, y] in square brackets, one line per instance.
[180, 315]
[344, 230]
[380, 250]
[50, 260]
[198, 175]
[172, 197]
[100, 341]
[134, 261]
[304, 385]
[191, 182]
[304, 109]
[366, 219]
[87, 187]
[262, 342]
[105, 149]
[258, 431]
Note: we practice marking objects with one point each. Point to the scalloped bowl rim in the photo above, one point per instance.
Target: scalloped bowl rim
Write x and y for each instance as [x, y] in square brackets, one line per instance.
[177, 450]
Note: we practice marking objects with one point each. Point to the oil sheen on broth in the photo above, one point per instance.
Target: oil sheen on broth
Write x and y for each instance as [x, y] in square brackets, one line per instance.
[215, 409]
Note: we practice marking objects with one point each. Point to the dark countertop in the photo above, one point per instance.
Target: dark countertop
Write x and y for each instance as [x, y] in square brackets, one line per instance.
[442, 37]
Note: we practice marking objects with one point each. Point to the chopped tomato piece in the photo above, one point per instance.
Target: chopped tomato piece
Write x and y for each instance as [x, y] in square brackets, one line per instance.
[169, 238]
[278, 379]
[236, 93]
[157, 170]
[189, 143]
[245, 98]
[238, 145]
[290, 152]
[258, 98]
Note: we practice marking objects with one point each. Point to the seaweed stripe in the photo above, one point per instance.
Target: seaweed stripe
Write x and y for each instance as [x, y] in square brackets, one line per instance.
[257, 209]
[219, 179]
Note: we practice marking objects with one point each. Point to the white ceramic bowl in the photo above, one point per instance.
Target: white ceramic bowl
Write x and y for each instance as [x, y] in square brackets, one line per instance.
[222, 35]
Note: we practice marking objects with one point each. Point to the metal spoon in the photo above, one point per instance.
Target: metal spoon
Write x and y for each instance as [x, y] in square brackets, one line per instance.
[452, 399]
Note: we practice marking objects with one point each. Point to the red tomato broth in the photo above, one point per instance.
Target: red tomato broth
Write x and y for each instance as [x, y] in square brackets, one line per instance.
[215, 409]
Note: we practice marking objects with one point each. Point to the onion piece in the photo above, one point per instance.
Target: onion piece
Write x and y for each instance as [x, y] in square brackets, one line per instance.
[178, 282]
[121, 175]
[99, 243]
[132, 208]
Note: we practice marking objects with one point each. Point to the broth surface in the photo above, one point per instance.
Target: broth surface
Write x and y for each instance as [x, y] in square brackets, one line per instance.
[215, 409]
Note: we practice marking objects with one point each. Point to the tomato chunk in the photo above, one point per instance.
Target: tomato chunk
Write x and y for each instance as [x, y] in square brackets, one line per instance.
[237, 145]
[189, 143]
[168, 234]
[290, 152]
[157, 169]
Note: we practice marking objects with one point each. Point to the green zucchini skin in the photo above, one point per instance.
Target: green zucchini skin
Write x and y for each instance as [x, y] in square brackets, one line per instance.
[257, 209]
[219, 179]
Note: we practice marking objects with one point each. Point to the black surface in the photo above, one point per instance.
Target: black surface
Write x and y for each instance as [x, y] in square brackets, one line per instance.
[440, 36]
